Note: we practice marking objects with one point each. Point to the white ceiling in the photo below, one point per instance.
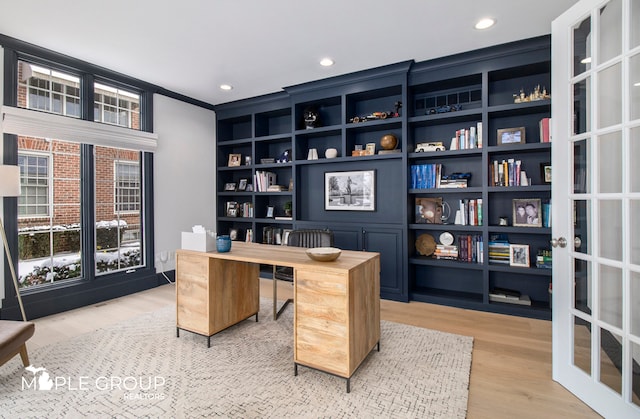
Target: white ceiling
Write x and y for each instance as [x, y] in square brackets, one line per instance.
[259, 46]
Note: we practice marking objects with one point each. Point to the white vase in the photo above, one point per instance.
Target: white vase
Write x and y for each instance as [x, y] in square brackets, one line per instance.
[331, 153]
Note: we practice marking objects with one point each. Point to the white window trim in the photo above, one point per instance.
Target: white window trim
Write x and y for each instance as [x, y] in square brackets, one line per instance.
[31, 123]
[115, 187]
[49, 185]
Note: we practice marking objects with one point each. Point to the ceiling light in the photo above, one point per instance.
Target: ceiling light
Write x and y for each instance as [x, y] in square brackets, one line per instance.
[226, 87]
[326, 62]
[485, 23]
[586, 61]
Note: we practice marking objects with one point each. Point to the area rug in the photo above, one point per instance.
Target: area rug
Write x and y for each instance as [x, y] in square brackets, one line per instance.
[139, 368]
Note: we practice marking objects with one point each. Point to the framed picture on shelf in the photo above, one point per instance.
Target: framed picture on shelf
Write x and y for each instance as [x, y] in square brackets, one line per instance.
[350, 191]
[269, 212]
[233, 234]
[242, 184]
[428, 211]
[519, 255]
[230, 186]
[526, 213]
[545, 172]
[234, 160]
[507, 136]
[232, 209]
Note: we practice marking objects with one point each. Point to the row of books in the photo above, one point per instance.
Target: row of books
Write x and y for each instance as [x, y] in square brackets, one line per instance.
[469, 249]
[426, 176]
[471, 212]
[467, 138]
[544, 259]
[505, 173]
[263, 179]
[244, 210]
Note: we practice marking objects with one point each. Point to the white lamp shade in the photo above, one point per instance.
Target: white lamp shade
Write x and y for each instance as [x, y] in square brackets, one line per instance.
[9, 180]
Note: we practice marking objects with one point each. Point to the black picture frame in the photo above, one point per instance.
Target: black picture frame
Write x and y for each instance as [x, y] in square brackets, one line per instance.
[350, 191]
[242, 184]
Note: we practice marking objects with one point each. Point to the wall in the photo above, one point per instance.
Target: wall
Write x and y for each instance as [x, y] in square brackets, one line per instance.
[184, 174]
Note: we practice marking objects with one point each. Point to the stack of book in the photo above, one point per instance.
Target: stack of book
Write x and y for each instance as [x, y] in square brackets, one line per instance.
[504, 295]
[470, 212]
[453, 183]
[247, 210]
[263, 180]
[470, 248]
[499, 252]
[446, 252]
[505, 173]
[543, 259]
[467, 138]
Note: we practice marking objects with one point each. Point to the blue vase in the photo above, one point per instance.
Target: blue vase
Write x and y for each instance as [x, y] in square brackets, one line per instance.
[223, 244]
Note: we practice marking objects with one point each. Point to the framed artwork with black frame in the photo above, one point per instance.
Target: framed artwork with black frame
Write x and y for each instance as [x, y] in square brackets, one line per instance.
[506, 136]
[242, 184]
[526, 213]
[350, 191]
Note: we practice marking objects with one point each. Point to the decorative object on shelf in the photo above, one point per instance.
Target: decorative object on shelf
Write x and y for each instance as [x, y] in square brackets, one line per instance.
[223, 244]
[331, 153]
[249, 187]
[232, 209]
[433, 146]
[242, 184]
[247, 160]
[267, 160]
[324, 254]
[536, 94]
[249, 236]
[388, 142]
[503, 221]
[544, 259]
[350, 191]
[444, 109]
[371, 149]
[290, 184]
[519, 255]
[287, 207]
[311, 117]
[507, 136]
[545, 172]
[526, 213]
[446, 238]
[285, 236]
[428, 211]
[378, 115]
[270, 213]
[425, 244]
[234, 160]
[230, 186]
[285, 157]
[233, 234]
[312, 154]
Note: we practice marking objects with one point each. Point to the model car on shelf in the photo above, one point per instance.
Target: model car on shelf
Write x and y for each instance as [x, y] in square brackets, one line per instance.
[444, 109]
[433, 146]
[378, 115]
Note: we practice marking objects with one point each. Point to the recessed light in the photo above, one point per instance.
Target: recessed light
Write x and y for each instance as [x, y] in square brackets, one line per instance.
[485, 23]
[326, 62]
[226, 87]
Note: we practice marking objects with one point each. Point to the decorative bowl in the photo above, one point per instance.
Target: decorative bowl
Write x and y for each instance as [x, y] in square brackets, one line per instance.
[324, 254]
[223, 244]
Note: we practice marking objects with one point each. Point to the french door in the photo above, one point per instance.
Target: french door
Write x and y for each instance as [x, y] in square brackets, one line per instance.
[596, 204]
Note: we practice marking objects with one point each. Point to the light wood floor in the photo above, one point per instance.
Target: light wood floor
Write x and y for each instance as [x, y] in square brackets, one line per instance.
[511, 366]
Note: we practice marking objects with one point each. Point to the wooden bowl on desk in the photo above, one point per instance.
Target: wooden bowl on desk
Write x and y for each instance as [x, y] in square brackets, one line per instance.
[324, 254]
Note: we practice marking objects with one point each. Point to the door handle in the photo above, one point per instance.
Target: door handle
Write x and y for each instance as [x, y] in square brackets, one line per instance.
[577, 242]
[560, 241]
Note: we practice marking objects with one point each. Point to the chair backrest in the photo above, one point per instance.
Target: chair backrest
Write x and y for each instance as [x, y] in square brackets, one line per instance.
[311, 238]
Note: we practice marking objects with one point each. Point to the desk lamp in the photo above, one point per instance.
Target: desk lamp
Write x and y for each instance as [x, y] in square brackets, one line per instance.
[10, 186]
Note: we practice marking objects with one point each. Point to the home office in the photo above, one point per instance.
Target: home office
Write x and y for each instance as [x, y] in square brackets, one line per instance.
[187, 187]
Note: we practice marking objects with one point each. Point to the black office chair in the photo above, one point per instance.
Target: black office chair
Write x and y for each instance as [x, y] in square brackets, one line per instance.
[297, 238]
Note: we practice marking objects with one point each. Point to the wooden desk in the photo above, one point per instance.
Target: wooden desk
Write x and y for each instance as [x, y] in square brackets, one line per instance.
[336, 304]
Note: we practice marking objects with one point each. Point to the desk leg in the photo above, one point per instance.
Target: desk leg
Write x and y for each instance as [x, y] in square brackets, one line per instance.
[295, 369]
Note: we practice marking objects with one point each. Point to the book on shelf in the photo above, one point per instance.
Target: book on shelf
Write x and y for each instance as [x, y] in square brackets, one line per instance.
[544, 259]
[500, 297]
[499, 252]
[263, 179]
[545, 130]
[426, 176]
[505, 173]
[467, 138]
[471, 212]
[282, 217]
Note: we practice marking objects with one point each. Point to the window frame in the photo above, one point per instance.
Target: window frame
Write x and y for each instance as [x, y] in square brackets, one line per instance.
[116, 188]
[49, 185]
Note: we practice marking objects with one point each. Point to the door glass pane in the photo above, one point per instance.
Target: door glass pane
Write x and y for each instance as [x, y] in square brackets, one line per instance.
[634, 232]
[609, 103]
[581, 103]
[581, 224]
[581, 172]
[582, 286]
[610, 227]
[633, 19]
[610, 42]
[635, 374]
[118, 210]
[610, 158]
[610, 295]
[582, 344]
[634, 80]
[582, 47]
[634, 167]
[48, 211]
[611, 360]
[635, 308]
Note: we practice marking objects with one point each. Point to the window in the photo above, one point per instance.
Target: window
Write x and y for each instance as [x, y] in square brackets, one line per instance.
[127, 187]
[116, 106]
[48, 90]
[34, 181]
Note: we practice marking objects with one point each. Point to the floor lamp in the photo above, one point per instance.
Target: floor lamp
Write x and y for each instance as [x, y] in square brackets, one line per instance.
[10, 186]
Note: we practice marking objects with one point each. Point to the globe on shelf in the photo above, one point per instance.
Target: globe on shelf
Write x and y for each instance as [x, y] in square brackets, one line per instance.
[388, 142]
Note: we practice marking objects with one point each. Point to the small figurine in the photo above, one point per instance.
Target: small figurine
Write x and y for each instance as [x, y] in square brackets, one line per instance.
[285, 157]
[311, 117]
